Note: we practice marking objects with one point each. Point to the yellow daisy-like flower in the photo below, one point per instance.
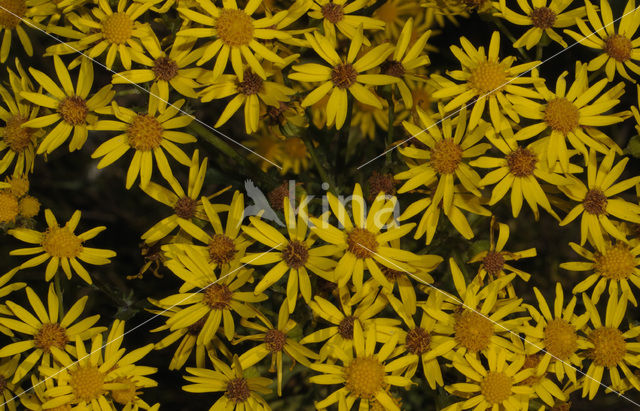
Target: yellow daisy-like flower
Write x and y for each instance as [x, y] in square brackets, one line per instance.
[8, 390]
[619, 48]
[339, 337]
[118, 33]
[596, 202]
[50, 335]
[214, 301]
[104, 374]
[149, 135]
[6, 289]
[253, 92]
[556, 335]
[497, 386]
[442, 161]
[19, 142]
[572, 115]
[74, 111]
[493, 261]
[237, 36]
[543, 19]
[339, 14]
[610, 348]
[186, 206]
[405, 61]
[477, 321]
[343, 75]
[616, 263]
[361, 245]
[13, 13]
[61, 247]
[485, 77]
[295, 255]
[365, 373]
[165, 69]
[519, 171]
[240, 392]
[275, 341]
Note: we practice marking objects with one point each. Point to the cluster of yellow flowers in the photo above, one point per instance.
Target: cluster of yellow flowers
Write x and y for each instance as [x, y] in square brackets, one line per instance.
[362, 307]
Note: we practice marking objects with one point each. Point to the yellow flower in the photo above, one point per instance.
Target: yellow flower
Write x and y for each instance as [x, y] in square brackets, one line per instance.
[9, 391]
[543, 19]
[488, 78]
[50, 336]
[117, 32]
[477, 322]
[236, 36]
[73, 110]
[617, 263]
[13, 13]
[61, 247]
[276, 341]
[106, 373]
[240, 392]
[556, 336]
[149, 135]
[165, 69]
[19, 142]
[339, 337]
[294, 254]
[572, 115]
[394, 14]
[361, 245]
[9, 207]
[365, 374]
[339, 14]
[405, 61]
[186, 206]
[253, 92]
[619, 48]
[609, 348]
[596, 203]
[498, 386]
[343, 75]
[443, 160]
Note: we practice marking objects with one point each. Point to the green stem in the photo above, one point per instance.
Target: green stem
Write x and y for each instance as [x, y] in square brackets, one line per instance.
[57, 286]
[316, 161]
[222, 146]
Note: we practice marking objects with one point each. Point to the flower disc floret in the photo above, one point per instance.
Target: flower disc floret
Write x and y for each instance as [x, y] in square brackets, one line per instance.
[87, 383]
[73, 110]
[496, 387]
[61, 242]
[164, 68]
[11, 12]
[237, 390]
[418, 341]
[543, 17]
[218, 296]
[445, 156]
[125, 395]
[295, 254]
[618, 47]
[345, 328]
[473, 331]
[144, 133]
[333, 12]
[616, 263]
[51, 335]
[251, 84]
[393, 68]
[361, 243]
[489, 76]
[595, 202]
[222, 249]
[561, 115]
[185, 208]
[16, 136]
[9, 207]
[364, 377]
[117, 28]
[493, 262]
[609, 346]
[344, 75]
[522, 162]
[560, 339]
[275, 340]
[234, 27]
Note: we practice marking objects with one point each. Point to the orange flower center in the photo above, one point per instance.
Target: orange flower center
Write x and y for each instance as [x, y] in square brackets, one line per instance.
[16, 137]
[164, 68]
[418, 341]
[333, 12]
[562, 115]
[609, 347]
[144, 133]
[73, 110]
[595, 202]
[50, 335]
[616, 263]
[361, 242]
[235, 27]
[364, 377]
[125, 395]
[87, 383]
[472, 330]
[345, 328]
[522, 162]
[618, 47]
[61, 242]
[343, 75]
[185, 208]
[275, 340]
[496, 387]
[252, 84]
[560, 339]
[10, 13]
[222, 249]
[489, 76]
[117, 28]
[445, 156]
[218, 296]
[493, 263]
[237, 390]
[543, 17]
[8, 207]
[295, 254]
